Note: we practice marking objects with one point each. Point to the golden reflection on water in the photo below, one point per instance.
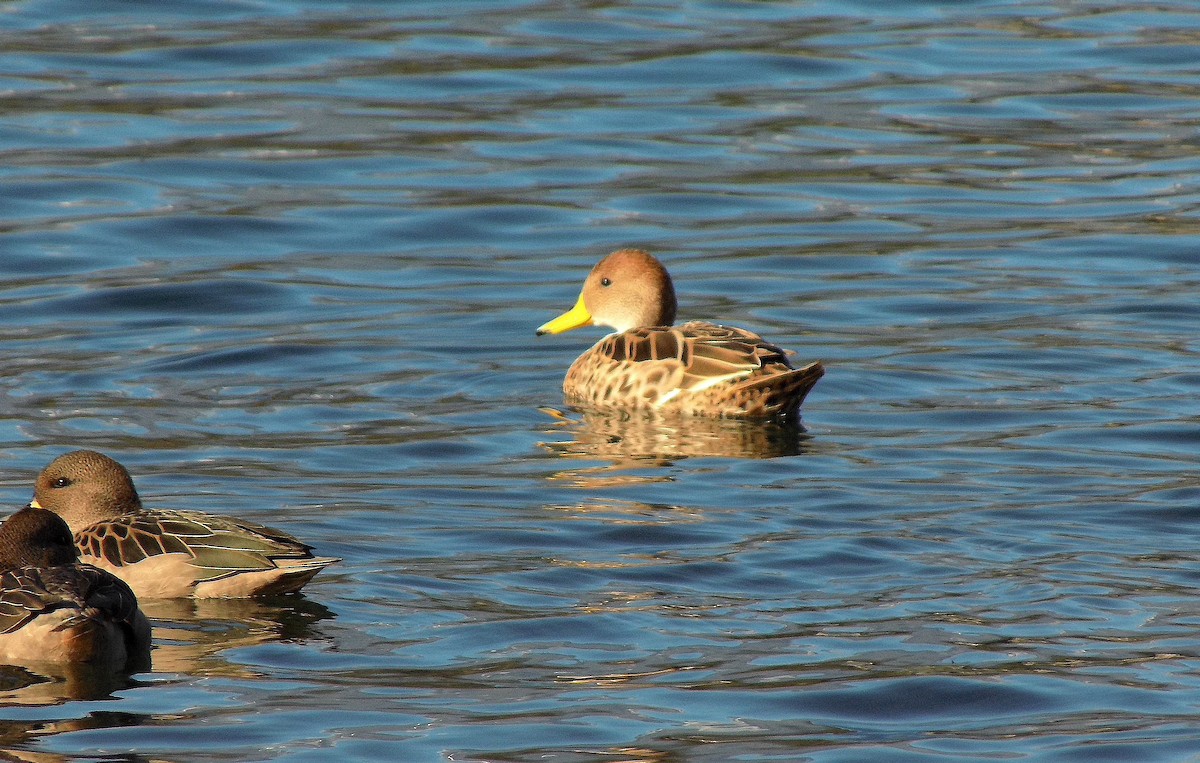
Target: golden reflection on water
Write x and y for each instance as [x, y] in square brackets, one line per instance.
[640, 755]
[631, 512]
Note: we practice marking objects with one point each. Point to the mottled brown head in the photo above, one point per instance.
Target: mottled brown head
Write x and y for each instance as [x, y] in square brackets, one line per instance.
[35, 537]
[84, 487]
[627, 289]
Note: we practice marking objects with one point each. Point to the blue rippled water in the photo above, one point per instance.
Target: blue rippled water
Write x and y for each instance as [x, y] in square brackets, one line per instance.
[285, 260]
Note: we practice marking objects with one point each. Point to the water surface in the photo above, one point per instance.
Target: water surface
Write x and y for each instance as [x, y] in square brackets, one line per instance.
[284, 260]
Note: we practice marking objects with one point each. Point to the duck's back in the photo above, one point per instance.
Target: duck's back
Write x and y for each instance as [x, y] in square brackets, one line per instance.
[695, 368]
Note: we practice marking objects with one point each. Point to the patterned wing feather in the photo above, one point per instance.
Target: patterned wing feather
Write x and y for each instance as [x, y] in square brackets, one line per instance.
[219, 546]
[721, 354]
[27, 592]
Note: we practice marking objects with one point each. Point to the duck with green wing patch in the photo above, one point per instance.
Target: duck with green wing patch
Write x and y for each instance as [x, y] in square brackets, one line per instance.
[164, 553]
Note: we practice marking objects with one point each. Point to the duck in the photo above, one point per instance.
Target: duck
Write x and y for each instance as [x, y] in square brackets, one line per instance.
[54, 609]
[166, 553]
[651, 365]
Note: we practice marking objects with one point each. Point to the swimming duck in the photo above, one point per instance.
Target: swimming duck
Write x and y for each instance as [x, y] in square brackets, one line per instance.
[651, 365]
[53, 609]
[163, 553]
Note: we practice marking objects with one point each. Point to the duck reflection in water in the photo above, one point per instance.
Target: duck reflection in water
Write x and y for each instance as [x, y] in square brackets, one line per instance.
[191, 636]
[632, 441]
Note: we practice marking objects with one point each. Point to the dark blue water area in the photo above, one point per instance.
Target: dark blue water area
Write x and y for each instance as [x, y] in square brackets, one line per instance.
[285, 261]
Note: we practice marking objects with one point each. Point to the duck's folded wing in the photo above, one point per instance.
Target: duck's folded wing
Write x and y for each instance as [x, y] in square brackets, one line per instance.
[105, 592]
[218, 546]
[707, 353]
[28, 592]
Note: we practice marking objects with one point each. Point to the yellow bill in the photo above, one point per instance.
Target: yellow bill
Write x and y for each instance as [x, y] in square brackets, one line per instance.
[572, 319]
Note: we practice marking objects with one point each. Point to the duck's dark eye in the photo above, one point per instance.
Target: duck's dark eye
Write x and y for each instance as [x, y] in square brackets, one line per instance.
[61, 482]
[606, 282]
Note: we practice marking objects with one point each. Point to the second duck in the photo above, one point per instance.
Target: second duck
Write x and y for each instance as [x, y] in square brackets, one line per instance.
[164, 553]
